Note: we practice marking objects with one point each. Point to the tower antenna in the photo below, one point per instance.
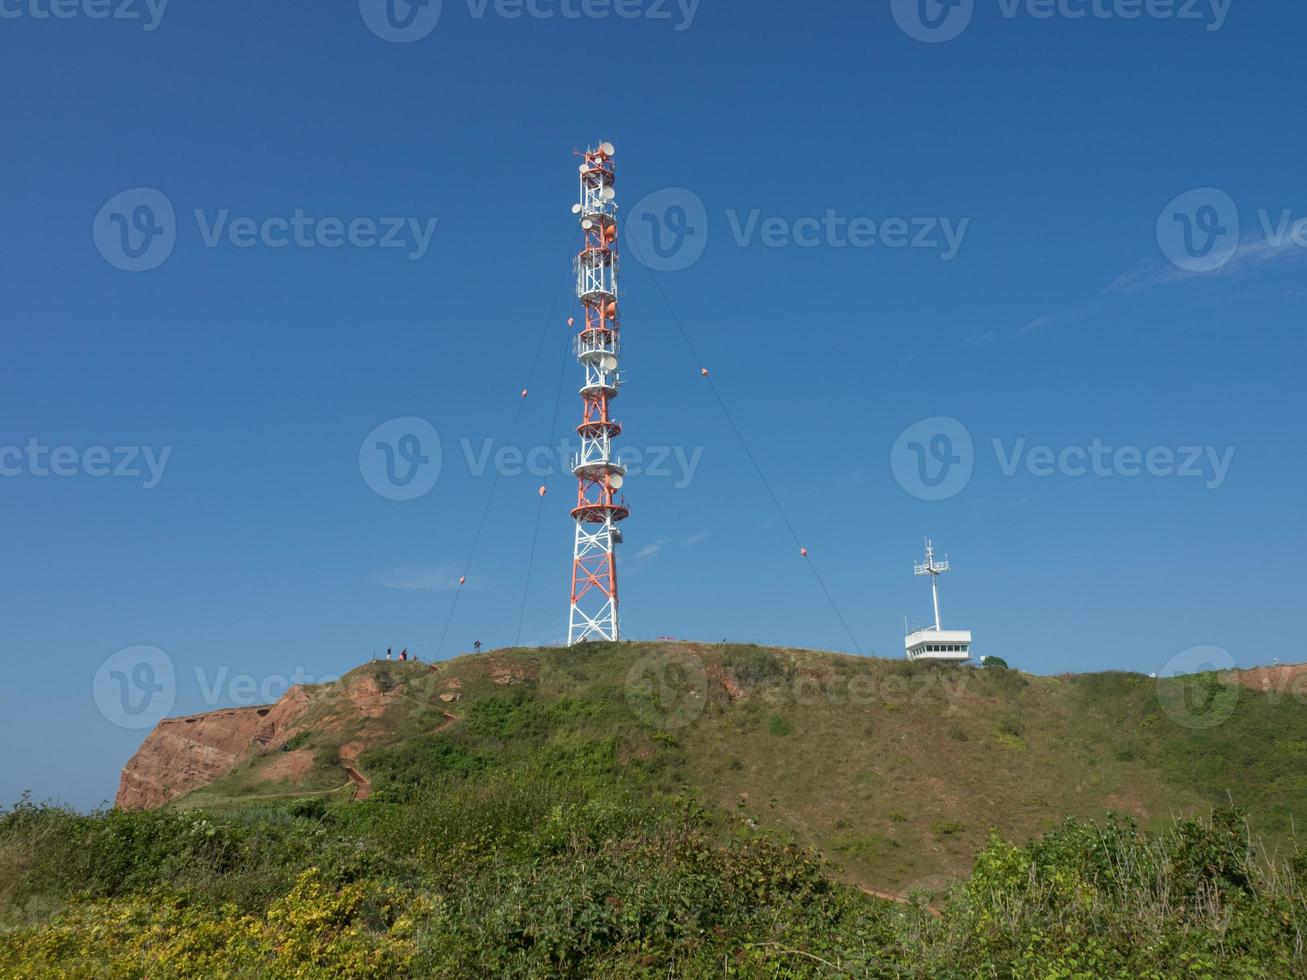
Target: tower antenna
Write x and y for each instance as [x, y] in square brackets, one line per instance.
[934, 569]
[598, 512]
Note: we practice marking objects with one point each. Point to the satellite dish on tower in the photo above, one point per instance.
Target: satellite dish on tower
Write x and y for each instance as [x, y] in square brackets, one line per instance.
[584, 167]
[607, 149]
[617, 481]
[576, 209]
[609, 363]
[587, 224]
[609, 194]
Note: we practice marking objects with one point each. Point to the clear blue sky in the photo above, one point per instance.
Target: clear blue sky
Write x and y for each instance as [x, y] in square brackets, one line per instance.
[1060, 322]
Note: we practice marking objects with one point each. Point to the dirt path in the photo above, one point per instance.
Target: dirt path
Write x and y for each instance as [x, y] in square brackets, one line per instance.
[362, 785]
[893, 897]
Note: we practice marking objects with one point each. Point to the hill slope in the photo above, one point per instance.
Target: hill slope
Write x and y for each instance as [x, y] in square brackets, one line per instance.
[895, 771]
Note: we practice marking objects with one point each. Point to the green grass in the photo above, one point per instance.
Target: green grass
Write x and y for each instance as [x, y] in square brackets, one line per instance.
[601, 812]
[808, 740]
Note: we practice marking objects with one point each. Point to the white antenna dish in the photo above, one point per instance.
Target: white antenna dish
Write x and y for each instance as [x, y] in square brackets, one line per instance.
[576, 209]
[609, 363]
[584, 167]
[587, 224]
[607, 149]
[617, 481]
[610, 194]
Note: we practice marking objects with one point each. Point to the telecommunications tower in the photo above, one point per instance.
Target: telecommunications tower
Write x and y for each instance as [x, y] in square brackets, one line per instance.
[598, 512]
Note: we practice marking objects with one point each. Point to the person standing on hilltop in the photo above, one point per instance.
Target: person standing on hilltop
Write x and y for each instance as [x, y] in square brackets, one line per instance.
[388, 653]
[477, 646]
[403, 654]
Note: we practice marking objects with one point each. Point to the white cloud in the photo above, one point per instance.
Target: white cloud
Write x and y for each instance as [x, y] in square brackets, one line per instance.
[1254, 253]
[1038, 323]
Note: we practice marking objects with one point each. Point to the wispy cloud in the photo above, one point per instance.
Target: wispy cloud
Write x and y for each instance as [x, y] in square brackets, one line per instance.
[438, 578]
[650, 550]
[1037, 324]
[701, 536]
[978, 340]
[1255, 252]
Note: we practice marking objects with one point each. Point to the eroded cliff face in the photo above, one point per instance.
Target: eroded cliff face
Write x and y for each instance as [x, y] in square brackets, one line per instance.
[183, 754]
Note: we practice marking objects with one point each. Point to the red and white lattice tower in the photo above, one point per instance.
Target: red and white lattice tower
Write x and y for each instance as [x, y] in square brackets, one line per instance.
[599, 512]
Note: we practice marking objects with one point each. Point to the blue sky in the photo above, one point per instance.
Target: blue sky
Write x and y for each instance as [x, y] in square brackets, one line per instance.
[1065, 314]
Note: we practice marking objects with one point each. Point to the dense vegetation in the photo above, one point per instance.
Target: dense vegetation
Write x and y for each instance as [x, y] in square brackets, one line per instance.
[528, 874]
[558, 830]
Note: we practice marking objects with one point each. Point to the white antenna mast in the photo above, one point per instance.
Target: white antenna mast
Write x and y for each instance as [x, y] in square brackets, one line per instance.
[934, 569]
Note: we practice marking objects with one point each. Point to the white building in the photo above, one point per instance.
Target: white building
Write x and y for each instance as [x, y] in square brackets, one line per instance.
[934, 643]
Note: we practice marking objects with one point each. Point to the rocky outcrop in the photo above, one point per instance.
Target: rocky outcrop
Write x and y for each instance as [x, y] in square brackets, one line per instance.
[183, 754]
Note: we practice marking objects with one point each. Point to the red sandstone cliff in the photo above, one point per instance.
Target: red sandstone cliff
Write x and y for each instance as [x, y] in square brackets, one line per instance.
[183, 754]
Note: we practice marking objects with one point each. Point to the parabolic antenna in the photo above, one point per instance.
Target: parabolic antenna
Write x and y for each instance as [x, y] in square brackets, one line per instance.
[617, 481]
[609, 363]
[607, 149]
[610, 194]
[576, 209]
[584, 167]
[587, 224]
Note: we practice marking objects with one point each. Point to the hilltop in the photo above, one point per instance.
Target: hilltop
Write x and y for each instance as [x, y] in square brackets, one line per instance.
[895, 772]
[679, 810]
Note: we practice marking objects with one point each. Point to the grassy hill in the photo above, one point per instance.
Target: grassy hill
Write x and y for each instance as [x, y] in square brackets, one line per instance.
[895, 771]
[676, 810]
